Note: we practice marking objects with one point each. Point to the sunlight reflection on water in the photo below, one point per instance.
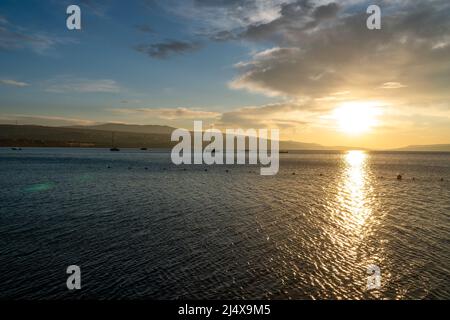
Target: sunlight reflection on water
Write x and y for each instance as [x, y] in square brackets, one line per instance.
[354, 190]
[353, 221]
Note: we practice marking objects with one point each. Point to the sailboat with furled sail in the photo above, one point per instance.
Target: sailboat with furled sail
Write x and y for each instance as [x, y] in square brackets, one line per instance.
[113, 147]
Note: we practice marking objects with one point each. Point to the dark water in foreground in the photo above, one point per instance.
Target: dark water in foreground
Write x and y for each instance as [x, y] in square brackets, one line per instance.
[167, 234]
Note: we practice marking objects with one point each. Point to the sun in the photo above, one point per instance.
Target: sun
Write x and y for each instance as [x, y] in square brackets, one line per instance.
[357, 117]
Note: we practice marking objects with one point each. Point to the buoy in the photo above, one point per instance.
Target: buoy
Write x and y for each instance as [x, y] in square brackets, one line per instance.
[293, 173]
[399, 177]
[442, 179]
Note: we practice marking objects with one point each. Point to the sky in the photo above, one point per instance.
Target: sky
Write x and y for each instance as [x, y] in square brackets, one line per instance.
[310, 68]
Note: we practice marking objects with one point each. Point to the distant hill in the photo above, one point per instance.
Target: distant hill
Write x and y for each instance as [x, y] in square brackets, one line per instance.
[294, 145]
[426, 148]
[119, 127]
[40, 136]
[100, 136]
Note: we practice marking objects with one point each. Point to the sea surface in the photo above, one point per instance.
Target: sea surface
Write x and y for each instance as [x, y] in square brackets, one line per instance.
[140, 227]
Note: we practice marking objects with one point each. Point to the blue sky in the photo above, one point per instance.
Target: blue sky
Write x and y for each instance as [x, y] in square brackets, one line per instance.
[311, 68]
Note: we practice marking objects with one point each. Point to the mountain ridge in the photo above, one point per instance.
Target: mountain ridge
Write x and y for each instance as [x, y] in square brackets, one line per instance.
[137, 136]
[425, 148]
[122, 127]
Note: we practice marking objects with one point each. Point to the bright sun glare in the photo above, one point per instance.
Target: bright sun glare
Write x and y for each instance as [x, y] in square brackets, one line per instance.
[356, 117]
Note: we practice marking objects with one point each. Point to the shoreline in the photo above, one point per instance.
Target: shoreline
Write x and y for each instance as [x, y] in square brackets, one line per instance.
[168, 149]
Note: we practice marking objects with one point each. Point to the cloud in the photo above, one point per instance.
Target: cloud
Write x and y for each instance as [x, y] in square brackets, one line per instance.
[217, 15]
[169, 113]
[81, 85]
[392, 85]
[290, 114]
[14, 83]
[314, 48]
[254, 72]
[24, 119]
[248, 19]
[144, 28]
[325, 49]
[163, 50]
[13, 37]
[126, 101]
[294, 17]
[327, 11]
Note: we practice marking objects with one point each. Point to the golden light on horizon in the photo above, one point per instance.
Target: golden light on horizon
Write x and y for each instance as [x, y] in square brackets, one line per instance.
[357, 117]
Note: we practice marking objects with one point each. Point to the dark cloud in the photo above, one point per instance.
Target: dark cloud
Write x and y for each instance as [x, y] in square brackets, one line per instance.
[163, 50]
[296, 16]
[144, 28]
[16, 37]
[223, 36]
[326, 12]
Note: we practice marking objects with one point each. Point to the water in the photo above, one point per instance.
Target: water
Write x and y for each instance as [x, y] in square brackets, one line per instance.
[170, 233]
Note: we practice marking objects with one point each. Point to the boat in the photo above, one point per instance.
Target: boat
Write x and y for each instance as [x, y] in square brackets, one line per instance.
[143, 149]
[113, 148]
